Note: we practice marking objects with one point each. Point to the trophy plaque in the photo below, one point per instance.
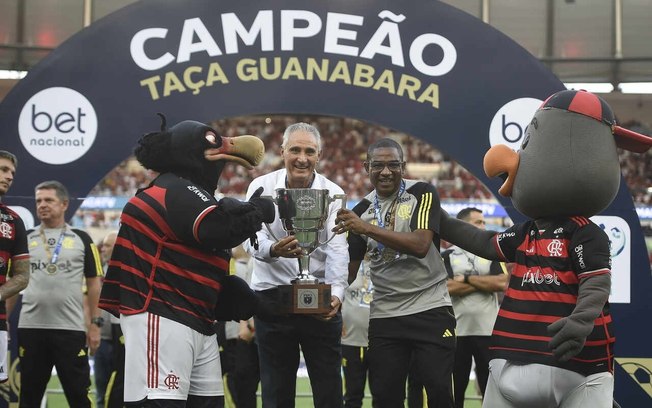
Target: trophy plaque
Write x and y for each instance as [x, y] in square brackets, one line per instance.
[303, 213]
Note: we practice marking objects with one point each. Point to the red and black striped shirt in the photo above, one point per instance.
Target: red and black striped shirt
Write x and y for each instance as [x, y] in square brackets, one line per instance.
[158, 263]
[13, 246]
[543, 287]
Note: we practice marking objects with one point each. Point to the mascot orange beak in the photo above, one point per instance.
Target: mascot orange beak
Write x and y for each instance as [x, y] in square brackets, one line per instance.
[501, 161]
[630, 140]
[246, 150]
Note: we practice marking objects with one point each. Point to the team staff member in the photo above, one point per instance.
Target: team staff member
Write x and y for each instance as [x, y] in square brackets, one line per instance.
[115, 388]
[51, 328]
[247, 368]
[280, 336]
[13, 251]
[411, 318]
[109, 364]
[355, 337]
[473, 285]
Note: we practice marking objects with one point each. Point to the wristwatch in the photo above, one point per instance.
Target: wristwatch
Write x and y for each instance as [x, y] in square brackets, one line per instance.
[466, 277]
[98, 321]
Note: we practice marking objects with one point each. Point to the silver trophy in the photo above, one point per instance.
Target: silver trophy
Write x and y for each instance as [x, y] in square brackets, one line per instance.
[303, 213]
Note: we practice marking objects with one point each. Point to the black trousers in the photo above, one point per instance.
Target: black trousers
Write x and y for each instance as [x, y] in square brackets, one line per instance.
[415, 391]
[468, 347]
[116, 388]
[423, 343]
[355, 367]
[281, 338]
[227, 362]
[240, 369]
[42, 349]
[246, 374]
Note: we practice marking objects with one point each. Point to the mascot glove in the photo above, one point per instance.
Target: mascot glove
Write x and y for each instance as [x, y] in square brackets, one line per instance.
[235, 207]
[244, 218]
[236, 301]
[568, 337]
[264, 206]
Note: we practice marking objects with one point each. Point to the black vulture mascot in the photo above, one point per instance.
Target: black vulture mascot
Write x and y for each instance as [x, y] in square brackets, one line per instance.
[167, 279]
[552, 342]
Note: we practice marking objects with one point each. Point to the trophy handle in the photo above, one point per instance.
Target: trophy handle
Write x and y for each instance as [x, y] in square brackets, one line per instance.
[266, 224]
[330, 200]
[270, 231]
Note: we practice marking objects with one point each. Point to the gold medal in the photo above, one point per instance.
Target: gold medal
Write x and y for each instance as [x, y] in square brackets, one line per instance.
[52, 266]
[375, 255]
[389, 255]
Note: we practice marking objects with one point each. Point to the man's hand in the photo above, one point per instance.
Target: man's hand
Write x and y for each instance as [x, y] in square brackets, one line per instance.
[246, 331]
[459, 278]
[335, 307]
[336, 303]
[93, 339]
[287, 247]
[346, 221]
[569, 336]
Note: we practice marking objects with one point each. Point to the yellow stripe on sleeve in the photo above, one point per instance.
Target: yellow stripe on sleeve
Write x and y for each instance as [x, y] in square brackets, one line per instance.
[98, 260]
[424, 211]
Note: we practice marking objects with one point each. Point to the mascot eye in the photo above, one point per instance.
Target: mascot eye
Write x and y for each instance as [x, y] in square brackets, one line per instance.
[210, 136]
[534, 124]
[526, 139]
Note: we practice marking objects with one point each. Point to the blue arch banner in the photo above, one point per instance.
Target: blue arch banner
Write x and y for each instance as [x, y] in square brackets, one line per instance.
[421, 67]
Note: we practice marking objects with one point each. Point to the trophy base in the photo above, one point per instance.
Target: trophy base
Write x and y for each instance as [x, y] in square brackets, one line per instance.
[305, 298]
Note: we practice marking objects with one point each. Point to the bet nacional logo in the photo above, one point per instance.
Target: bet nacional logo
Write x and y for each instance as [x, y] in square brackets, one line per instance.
[57, 125]
[508, 124]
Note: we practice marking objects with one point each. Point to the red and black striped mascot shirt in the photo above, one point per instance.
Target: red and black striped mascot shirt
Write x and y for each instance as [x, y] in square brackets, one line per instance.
[549, 264]
[159, 264]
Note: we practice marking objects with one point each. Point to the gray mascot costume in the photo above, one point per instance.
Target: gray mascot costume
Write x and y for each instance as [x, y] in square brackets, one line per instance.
[552, 342]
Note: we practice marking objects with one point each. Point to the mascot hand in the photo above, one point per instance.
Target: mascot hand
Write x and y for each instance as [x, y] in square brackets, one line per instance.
[568, 338]
[236, 300]
[244, 218]
[235, 207]
[263, 205]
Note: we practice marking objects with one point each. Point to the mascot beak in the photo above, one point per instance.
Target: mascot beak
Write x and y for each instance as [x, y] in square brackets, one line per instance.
[501, 161]
[246, 150]
[630, 140]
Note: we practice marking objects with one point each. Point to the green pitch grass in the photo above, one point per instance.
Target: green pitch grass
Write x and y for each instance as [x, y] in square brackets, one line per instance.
[56, 399]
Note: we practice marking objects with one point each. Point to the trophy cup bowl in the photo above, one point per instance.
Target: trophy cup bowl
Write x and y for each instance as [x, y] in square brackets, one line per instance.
[303, 213]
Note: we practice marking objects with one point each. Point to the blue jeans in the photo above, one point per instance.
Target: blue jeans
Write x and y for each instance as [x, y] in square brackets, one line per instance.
[279, 339]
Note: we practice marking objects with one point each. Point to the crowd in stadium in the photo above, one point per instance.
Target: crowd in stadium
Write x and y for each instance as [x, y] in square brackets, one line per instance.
[345, 141]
